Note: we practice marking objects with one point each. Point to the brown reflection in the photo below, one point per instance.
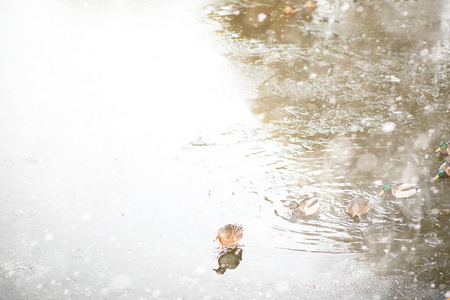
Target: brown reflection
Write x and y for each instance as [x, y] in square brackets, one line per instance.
[272, 22]
[229, 260]
[329, 80]
[360, 61]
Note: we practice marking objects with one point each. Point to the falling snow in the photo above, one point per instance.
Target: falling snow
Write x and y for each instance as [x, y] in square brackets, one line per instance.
[388, 127]
[261, 17]
[133, 130]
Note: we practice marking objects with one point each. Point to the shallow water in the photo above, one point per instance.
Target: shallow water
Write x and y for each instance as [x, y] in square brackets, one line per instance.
[133, 131]
[357, 95]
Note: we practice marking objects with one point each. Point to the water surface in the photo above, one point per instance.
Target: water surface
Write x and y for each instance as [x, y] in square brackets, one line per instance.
[132, 131]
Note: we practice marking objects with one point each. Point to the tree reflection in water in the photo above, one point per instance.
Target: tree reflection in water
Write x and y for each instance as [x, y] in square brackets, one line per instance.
[330, 80]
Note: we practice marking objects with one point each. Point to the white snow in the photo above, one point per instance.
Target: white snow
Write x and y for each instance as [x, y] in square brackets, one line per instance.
[388, 127]
[48, 237]
[261, 17]
[120, 282]
[424, 52]
[345, 6]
